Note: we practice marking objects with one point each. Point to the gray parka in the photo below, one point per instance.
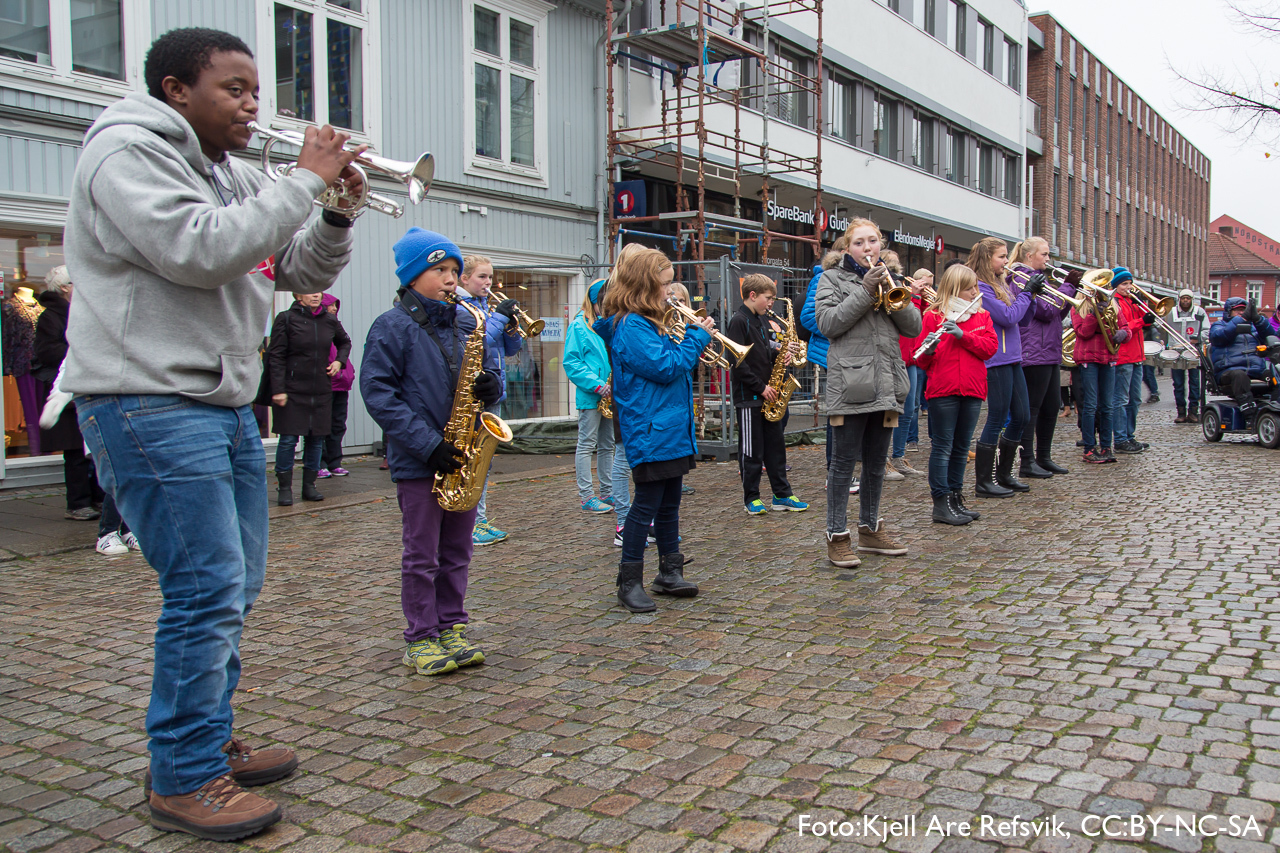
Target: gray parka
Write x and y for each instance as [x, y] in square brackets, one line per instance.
[866, 372]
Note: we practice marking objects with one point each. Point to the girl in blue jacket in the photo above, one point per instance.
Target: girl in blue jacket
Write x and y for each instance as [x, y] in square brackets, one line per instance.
[653, 401]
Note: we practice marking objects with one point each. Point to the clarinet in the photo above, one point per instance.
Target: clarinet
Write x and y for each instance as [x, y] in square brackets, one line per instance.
[936, 334]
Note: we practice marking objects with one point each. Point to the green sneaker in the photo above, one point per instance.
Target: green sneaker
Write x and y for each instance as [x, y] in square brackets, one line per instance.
[465, 653]
[428, 657]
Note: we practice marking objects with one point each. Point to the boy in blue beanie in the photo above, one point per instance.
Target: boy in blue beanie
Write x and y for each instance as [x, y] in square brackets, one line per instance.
[412, 358]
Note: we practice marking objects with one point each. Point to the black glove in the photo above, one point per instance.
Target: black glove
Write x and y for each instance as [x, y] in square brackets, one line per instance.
[445, 458]
[1035, 286]
[1073, 278]
[488, 387]
[1148, 319]
[507, 308]
[1251, 313]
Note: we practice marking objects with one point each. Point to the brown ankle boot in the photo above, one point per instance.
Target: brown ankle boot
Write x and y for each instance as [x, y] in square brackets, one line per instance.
[877, 541]
[220, 811]
[252, 767]
[840, 552]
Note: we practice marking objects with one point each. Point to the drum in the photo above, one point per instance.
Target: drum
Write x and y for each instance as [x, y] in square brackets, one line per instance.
[1178, 359]
[1151, 348]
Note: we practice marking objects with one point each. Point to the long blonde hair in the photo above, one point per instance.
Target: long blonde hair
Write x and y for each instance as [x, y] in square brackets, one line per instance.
[635, 286]
[980, 262]
[831, 259]
[1023, 250]
[681, 293]
[956, 279]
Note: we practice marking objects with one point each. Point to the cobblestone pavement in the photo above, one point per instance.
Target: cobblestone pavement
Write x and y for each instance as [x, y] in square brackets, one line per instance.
[1102, 646]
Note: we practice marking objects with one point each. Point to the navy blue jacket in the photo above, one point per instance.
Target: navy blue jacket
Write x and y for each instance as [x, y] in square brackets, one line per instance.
[1231, 350]
[406, 383]
[653, 387]
[808, 318]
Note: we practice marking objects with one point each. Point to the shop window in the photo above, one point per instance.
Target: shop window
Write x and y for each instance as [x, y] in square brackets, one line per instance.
[507, 110]
[26, 257]
[78, 42]
[323, 63]
[536, 383]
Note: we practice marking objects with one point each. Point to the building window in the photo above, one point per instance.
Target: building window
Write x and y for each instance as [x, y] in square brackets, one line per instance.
[955, 157]
[988, 46]
[1012, 184]
[507, 110]
[81, 42]
[931, 17]
[987, 170]
[956, 17]
[785, 104]
[1013, 65]
[322, 62]
[840, 109]
[1215, 285]
[917, 142]
[1253, 290]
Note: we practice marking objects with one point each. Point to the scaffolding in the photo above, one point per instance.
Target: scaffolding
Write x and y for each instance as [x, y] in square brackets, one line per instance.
[691, 141]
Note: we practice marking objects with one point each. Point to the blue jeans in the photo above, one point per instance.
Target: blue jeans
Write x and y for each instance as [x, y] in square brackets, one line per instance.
[1182, 394]
[908, 428]
[1006, 402]
[1127, 399]
[1149, 379]
[952, 420]
[189, 479]
[595, 435]
[621, 488]
[1095, 392]
[287, 451]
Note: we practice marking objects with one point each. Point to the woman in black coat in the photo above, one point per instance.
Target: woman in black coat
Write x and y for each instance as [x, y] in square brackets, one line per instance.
[300, 375]
[50, 349]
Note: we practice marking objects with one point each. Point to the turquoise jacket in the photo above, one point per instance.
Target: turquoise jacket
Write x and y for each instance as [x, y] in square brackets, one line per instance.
[586, 361]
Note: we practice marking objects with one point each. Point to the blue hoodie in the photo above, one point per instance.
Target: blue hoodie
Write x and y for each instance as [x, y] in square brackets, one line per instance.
[818, 342]
[586, 361]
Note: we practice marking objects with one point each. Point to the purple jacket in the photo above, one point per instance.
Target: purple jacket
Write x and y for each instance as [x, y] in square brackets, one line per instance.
[1042, 325]
[347, 375]
[1006, 319]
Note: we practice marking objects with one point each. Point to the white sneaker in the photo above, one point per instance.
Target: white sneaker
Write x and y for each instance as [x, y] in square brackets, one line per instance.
[131, 541]
[112, 545]
[853, 487]
[891, 474]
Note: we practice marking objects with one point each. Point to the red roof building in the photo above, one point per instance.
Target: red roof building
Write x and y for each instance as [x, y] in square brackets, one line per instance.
[1250, 238]
[1236, 270]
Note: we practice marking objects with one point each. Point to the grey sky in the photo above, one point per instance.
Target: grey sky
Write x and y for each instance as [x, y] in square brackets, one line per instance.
[1141, 39]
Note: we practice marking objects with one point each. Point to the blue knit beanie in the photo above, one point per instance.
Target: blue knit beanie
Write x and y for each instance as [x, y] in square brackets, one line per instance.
[1120, 276]
[418, 251]
[593, 292]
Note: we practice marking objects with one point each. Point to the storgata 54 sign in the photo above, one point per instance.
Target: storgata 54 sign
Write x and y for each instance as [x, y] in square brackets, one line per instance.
[795, 213]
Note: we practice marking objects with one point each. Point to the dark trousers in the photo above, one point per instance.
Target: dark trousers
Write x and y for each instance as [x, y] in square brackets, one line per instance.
[1234, 382]
[110, 520]
[332, 457]
[656, 502]
[437, 557]
[80, 479]
[1184, 393]
[952, 420]
[1006, 400]
[1043, 397]
[761, 443]
[861, 437]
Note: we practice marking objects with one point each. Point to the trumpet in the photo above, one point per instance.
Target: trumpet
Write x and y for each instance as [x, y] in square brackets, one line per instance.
[718, 351]
[526, 326]
[676, 326]
[416, 175]
[893, 298]
[1055, 297]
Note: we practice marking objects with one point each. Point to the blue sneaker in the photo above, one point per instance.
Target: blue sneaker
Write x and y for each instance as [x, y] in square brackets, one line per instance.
[596, 506]
[486, 534]
[756, 507]
[610, 501]
[790, 504]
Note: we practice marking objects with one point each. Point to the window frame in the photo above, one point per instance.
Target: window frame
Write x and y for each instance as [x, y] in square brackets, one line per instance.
[60, 80]
[371, 60]
[533, 13]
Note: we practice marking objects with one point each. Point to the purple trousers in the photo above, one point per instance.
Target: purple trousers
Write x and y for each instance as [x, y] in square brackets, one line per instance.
[32, 393]
[437, 552]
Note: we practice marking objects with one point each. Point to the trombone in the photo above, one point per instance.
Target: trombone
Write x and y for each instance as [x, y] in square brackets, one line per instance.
[526, 326]
[717, 352]
[1159, 306]
[416, 175]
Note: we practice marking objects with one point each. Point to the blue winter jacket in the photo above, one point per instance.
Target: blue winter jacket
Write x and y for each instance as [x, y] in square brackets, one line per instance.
[404, 380]
[497, 343]
[653, 387]
[817, 341]
[1231, 350]
[586, 361]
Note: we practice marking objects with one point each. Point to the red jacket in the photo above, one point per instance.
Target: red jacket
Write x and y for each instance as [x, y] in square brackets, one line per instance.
[958, 368]
[1131, 351]
[1091, 344]
[910, 345]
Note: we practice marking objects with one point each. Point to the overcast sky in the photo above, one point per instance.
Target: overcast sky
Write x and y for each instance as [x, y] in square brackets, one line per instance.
[1141, 39]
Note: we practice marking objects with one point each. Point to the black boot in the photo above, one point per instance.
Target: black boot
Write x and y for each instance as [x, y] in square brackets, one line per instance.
[284, 486]
[944, 511]
[1029, 467]
[309, 492]
[631, 588]
[984, 466]
[1043, 460]
[670, 579]
[1004, 467]
[957, 501]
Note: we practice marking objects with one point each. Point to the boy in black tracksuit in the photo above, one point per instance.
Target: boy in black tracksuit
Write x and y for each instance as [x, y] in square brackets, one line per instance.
[760, 442]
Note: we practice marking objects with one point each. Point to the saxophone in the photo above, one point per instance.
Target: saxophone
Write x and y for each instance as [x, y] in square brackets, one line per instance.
[605, 406]
[780, 380]
[471, 429]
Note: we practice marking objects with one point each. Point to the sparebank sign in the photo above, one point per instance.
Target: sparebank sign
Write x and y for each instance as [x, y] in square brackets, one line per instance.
[795, 213]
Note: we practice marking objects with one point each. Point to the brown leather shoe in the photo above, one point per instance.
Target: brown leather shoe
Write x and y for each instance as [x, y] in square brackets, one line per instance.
[877, 541]
[249, 767]
[840, 551]
[219, 811]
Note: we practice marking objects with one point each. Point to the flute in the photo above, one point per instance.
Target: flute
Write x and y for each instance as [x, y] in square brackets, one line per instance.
[936, 335]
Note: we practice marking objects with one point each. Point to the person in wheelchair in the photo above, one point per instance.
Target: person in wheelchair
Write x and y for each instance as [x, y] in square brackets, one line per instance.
[1234, 351]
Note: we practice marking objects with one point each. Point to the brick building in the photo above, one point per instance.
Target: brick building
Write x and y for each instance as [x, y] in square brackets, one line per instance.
[1250, 238]
[1112, 182]
[1237, 270]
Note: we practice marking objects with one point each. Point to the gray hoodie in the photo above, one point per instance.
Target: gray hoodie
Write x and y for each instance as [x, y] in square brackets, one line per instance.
[166, 251]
